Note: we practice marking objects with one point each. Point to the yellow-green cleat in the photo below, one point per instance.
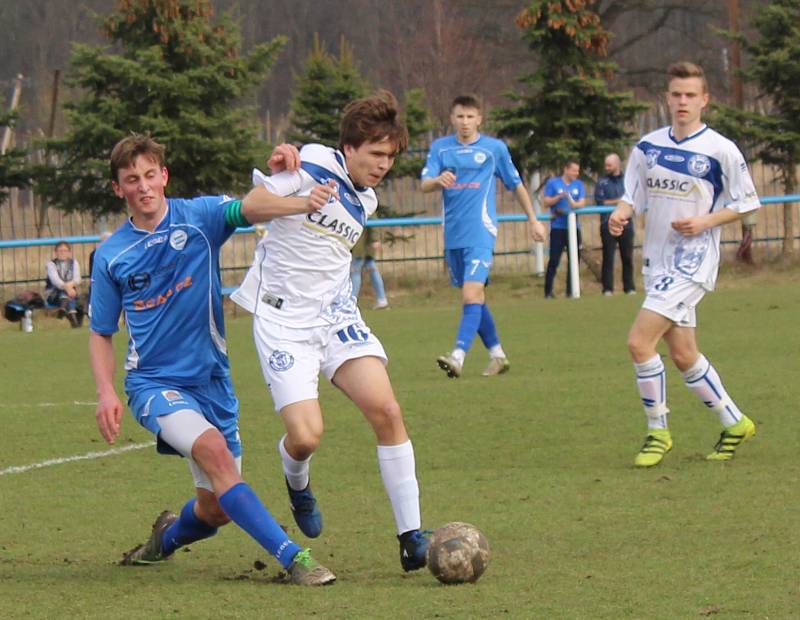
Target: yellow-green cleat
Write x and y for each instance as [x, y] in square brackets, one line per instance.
[657, 443]
[731, 438]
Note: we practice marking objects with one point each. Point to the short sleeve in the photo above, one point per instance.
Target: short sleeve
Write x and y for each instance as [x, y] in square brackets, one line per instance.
[600, 192]
[433, 165]
[636, 181]
[105, 300]
[506, 169]
[740, 191]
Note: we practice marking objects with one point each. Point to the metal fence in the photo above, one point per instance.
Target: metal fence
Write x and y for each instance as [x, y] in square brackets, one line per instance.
[411, 255]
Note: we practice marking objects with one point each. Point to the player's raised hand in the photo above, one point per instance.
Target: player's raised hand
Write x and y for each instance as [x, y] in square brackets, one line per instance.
[321, 195]
[108, 416]
[690, 226]
[446, 179]
[284, 157]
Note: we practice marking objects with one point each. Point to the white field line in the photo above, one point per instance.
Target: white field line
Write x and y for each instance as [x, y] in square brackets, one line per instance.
[84, 403]
[79, 457]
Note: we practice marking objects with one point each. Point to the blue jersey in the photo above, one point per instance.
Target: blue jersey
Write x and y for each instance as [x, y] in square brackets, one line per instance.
[167, 283]
[561, 209]
[470, 216]
[609, 187]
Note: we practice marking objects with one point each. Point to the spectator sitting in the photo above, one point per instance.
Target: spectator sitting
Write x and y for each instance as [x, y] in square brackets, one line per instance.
[63, 283]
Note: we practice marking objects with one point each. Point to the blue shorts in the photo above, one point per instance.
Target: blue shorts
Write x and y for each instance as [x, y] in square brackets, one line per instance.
[468, 265]
[216, 401]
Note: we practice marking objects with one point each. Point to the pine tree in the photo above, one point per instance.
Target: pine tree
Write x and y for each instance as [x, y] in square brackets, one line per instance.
[326, 85]
[417, 116]
[774, 69]
[566, 110]
[179, 76]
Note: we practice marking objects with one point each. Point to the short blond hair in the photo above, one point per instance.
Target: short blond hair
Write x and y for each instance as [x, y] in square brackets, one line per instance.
[685, 69]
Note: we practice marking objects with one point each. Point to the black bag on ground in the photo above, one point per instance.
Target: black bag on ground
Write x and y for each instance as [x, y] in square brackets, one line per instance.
[15, 309]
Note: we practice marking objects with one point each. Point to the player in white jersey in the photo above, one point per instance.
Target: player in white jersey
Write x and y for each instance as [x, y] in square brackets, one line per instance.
[306, 319]
[690, 181]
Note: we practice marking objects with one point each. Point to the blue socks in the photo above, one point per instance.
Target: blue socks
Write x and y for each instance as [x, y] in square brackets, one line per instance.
[487, 330]
[470, 321]
[187, 529]
[244, 508]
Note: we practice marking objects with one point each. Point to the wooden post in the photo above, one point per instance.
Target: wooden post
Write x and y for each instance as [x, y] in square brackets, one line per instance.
[9, 132]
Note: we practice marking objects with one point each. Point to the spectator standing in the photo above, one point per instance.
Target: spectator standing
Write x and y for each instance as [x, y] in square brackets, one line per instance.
[608, 191]
[562, 195]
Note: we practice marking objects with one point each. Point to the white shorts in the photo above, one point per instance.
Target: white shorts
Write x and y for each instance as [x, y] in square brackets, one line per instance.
[673, 297]
[292, 358]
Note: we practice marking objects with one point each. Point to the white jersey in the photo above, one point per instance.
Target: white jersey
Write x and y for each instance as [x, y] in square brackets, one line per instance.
[674, 179]
[300, 276]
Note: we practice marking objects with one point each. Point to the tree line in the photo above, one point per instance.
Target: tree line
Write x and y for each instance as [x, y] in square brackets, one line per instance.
[174, 69]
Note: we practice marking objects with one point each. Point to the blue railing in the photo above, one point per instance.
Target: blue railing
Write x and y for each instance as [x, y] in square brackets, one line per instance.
[377, 223]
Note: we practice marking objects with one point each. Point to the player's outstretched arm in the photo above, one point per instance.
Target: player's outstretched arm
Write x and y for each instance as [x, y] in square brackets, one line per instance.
[108, 413]
[261, 205]
[619, 218]
[695, 225]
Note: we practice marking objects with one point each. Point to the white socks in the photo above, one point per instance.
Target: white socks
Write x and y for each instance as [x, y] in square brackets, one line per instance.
[703, 379]
[400, 481]
[296, 471]
[651, 377]
[497, 351]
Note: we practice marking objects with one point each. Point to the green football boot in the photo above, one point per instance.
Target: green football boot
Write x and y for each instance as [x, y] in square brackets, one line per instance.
[657, 443]
[731, 438]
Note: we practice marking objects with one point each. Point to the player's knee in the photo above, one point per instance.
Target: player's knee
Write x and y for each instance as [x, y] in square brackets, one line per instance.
[304, 442]
[388, 417]
[638, 348]
[683, 358]
[212, 454]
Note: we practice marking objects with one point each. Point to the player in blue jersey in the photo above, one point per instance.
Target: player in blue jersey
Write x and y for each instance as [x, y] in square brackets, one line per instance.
[562, 195]
[463, 166]
[161, 269]
[690, 181]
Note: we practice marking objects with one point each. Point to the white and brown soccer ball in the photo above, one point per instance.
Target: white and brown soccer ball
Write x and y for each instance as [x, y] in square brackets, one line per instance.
[458, 553]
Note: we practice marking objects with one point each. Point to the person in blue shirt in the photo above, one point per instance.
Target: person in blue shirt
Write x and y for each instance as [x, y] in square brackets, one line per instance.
[464, 166]
[608, 191]
[562, 195]
[161, 269]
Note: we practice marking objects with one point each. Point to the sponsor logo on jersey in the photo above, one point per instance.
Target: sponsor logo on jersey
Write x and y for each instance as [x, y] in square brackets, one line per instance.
[699, 165]
[281, 361]
[332, 225]
[158, 300]
[177, 240]
[652, 157]
[155, 240]
[668, 185]
[138, 281]
[480, 157]
[674, 158]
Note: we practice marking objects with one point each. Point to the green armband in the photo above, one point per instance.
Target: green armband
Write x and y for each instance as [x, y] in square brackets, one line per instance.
[233, 215]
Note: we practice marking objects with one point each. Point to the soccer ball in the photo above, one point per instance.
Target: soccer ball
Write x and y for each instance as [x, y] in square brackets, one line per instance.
[458, 553]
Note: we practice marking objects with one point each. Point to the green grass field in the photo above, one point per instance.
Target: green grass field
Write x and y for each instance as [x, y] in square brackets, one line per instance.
[540, 459]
